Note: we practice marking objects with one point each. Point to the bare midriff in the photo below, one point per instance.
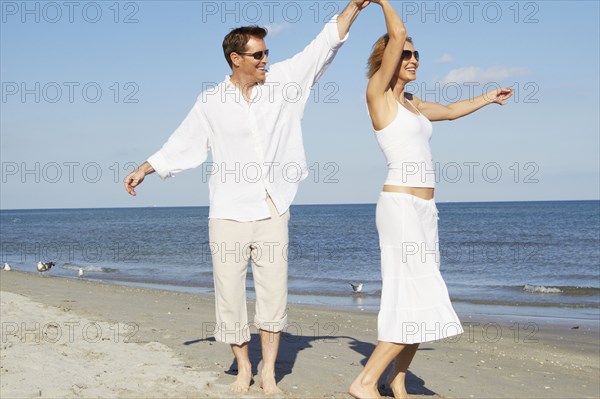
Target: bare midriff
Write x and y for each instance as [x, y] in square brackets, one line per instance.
[421, 192]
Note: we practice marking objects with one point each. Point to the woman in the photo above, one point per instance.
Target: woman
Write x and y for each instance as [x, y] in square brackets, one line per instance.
[415, 306]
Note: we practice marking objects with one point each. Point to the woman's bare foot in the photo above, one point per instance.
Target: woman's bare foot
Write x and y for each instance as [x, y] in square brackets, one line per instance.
[269, 384]
[363, 391]
[395, 380]
[243, 380]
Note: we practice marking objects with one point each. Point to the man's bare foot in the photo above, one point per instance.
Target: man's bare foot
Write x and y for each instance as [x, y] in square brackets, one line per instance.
[268, 383]
[242, 381]
[395, 380]
[361, 391]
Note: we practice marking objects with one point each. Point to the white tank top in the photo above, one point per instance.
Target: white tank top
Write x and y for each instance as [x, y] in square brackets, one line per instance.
[405, 144]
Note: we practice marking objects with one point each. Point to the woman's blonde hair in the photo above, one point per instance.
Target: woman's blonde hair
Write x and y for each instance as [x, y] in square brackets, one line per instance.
[374, 62]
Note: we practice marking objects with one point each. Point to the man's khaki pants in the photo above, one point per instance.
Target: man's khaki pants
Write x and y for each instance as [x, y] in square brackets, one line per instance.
[232, 244]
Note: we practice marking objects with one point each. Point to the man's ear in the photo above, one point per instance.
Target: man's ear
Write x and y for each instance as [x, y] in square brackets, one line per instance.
[235, 59]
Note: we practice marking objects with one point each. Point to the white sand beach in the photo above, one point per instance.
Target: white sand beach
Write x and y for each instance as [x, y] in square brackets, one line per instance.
[77, 338]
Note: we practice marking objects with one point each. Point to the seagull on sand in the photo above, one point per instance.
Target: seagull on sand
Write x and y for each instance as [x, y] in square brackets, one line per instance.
[44, 267]
[6, 267]
[80, 274]
[357, 287]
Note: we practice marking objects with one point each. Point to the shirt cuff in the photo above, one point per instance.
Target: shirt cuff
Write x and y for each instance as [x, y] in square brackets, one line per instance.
[333, 36]
[159, 163]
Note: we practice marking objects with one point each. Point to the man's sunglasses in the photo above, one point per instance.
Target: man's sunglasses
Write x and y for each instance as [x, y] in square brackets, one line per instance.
[259, 55]
[408, 54]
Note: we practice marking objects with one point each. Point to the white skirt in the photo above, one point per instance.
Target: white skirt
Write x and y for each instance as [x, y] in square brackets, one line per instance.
[415, 305]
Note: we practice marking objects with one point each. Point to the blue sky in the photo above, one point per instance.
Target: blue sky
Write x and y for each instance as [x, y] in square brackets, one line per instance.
[91, 88]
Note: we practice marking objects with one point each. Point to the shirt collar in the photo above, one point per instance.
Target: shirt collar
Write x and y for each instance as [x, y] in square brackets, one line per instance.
[228, 80]
[255, 93]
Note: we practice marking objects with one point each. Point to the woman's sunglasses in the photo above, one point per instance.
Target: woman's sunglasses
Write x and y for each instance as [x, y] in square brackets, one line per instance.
[259, 55]
[408, 54]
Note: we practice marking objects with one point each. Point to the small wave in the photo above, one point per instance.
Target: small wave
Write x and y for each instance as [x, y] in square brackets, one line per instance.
[532, 304]
[540, 289]
[562, 290]
[88, 268]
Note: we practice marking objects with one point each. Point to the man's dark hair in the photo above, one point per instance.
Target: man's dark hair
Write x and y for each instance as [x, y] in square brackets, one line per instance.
[236, 40]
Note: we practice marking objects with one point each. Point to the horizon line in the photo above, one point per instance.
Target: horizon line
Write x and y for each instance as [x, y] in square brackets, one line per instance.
[355, 203]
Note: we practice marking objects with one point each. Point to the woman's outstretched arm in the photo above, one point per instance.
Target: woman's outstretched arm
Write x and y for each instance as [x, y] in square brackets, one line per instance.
[439, 112]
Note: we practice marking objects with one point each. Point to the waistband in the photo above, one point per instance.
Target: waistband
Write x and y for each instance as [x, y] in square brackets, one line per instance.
[408, 196]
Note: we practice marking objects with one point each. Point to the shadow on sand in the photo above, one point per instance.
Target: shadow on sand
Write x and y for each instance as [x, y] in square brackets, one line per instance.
[291, 345]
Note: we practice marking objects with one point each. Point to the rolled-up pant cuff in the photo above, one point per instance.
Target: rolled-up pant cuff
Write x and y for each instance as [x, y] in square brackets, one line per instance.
[235, 335]
[238, 334]
[271, 326]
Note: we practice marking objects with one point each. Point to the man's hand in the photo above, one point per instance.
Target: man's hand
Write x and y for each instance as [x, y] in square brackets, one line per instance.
[136, 177]
[133, 180]
[360, 4]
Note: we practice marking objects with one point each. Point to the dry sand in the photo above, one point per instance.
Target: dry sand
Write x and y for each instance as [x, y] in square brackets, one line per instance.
[77, 338]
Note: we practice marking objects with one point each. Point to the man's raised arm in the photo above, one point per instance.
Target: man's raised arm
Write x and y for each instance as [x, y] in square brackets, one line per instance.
[306, 67]
[347, 17]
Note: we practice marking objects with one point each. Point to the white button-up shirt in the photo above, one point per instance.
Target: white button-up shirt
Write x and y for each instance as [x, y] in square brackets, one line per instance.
[256, 145]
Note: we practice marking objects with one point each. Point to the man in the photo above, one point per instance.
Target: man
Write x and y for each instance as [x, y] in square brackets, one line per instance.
[251, 124]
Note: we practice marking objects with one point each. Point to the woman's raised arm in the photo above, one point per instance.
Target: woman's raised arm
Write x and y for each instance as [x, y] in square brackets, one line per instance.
[379, 82]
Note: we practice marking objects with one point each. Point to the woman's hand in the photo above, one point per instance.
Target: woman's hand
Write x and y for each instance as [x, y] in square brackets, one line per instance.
[499, 96]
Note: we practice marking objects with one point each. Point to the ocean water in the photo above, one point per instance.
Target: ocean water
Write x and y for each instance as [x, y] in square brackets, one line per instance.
[534, 255]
